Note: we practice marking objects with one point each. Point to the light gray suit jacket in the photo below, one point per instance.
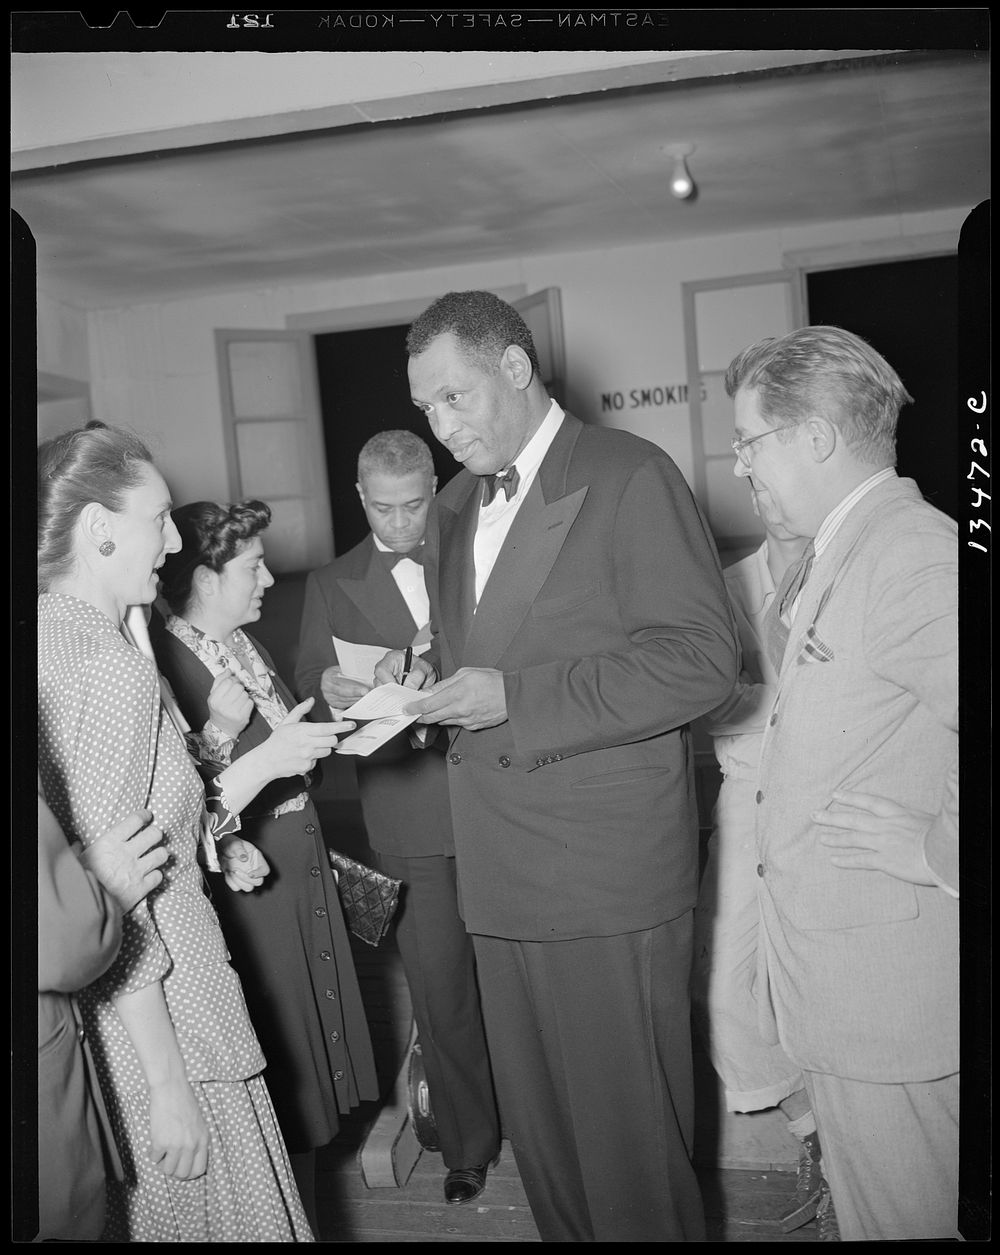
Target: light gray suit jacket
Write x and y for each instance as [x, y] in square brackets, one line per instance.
[862, 968]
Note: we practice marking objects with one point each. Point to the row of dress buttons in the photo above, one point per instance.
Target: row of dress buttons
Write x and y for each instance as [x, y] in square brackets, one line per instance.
[551, 758]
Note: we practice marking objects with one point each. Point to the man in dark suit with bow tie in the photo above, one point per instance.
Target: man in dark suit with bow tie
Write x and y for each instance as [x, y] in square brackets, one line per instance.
[580, 623]
[375, 595]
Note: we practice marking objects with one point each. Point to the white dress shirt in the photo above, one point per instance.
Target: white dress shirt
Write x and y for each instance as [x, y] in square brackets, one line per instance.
[409, 577]
[495, 519]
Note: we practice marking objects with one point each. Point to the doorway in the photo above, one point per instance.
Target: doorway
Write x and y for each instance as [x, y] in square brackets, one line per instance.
[908, 311]
[363, 389]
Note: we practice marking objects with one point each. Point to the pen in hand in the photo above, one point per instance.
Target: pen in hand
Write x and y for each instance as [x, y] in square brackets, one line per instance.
[407, 663]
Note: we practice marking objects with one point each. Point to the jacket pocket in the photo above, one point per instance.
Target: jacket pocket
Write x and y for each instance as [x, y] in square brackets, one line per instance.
[547, 606]
[618, 777]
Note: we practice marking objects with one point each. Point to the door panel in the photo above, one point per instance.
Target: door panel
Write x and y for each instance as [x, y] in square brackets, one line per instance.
[274, 440]
[722, 317]
[542, 311]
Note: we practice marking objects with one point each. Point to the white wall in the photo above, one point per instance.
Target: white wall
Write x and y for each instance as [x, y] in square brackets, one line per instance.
[62, 340]
[153, 367]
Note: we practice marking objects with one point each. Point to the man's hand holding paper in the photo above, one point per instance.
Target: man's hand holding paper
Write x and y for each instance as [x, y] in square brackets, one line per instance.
[340, 690]
[472, 698]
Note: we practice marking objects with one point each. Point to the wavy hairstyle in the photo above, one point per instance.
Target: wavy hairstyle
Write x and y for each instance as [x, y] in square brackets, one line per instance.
[826, 371]
[481, 322]
[211, 535]
[93, 463]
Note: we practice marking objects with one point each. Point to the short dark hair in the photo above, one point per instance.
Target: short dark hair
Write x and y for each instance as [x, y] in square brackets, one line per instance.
[397, 453]
[481, 322]
[93, 463]
[827, 371]
[211, 535]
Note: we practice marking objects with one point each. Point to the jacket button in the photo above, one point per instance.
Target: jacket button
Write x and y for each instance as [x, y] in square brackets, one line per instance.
[759, 797]
[773, 720]
[81, 1034]
[504, 760]
[760, 869]
[335, 1036]
[338, 1075]
[331, 993]
[320, 912]
[313, 871]
[310, 827]
[325, 955]
[454, 758]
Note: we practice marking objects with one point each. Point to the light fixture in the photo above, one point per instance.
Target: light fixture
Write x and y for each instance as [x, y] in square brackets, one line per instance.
[681, 182]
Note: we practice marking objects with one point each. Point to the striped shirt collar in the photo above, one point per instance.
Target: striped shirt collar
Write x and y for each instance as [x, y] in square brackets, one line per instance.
[833, 521]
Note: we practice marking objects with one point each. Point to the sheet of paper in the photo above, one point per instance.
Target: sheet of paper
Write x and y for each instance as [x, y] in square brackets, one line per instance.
[358, 662]
[385, 700]
[374, 734]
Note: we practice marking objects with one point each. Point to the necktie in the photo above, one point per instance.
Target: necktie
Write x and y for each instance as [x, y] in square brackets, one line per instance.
[390, 557]
[491, 484]
[778, 617]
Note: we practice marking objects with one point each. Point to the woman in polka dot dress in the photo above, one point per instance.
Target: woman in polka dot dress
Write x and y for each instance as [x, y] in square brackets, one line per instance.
[179, 1063]
[287, 939]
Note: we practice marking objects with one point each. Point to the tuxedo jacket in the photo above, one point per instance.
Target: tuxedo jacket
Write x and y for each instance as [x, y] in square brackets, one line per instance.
[404, 791]
[862, 968]
[606, 612]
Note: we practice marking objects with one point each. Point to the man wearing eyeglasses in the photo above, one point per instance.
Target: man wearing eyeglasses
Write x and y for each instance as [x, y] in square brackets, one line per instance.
[857, 798]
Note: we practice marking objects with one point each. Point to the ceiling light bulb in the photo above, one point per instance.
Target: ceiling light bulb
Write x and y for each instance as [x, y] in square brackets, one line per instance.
[681, 182]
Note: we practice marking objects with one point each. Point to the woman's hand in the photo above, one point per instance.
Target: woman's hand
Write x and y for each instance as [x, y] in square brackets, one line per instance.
[178, 1132]
[294, 746]
[242, 863]
[229, 705]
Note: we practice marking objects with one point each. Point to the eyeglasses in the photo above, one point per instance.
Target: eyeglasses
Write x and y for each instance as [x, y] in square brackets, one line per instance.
[740, 445]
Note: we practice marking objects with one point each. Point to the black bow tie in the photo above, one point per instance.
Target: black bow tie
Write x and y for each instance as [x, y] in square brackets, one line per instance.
[491, 484]
[390, 557]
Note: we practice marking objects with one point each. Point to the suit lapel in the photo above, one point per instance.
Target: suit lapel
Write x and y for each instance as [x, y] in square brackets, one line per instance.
[528, 554]
[522, 567]
[456, 574]
[806, 634]
[379, 600]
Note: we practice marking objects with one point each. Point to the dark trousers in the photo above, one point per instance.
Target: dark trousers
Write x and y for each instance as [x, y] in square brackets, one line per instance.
[440, 966]
[591, 1048]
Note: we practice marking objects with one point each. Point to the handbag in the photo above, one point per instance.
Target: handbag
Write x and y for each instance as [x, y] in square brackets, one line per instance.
[368, 897]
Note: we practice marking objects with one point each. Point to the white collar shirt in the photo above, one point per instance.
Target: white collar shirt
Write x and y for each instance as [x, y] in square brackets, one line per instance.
[495, 520]
[409, 577]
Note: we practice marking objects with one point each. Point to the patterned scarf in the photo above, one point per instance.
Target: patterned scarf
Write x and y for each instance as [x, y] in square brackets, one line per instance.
[243, 661]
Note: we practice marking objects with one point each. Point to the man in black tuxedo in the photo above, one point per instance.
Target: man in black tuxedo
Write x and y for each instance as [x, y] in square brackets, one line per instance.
[580, 623]
[375, 595]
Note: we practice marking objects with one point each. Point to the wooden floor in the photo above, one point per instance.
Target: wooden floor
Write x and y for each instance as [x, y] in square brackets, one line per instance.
[740, 1204]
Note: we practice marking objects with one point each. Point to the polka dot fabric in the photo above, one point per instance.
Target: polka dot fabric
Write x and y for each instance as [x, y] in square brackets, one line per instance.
[105, 749]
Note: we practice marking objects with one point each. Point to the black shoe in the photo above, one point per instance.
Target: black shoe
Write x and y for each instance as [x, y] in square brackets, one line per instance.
[802, 1205]
[462, 1185]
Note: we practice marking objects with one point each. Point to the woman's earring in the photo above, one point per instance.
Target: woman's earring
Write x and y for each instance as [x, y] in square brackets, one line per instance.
[107, 548]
